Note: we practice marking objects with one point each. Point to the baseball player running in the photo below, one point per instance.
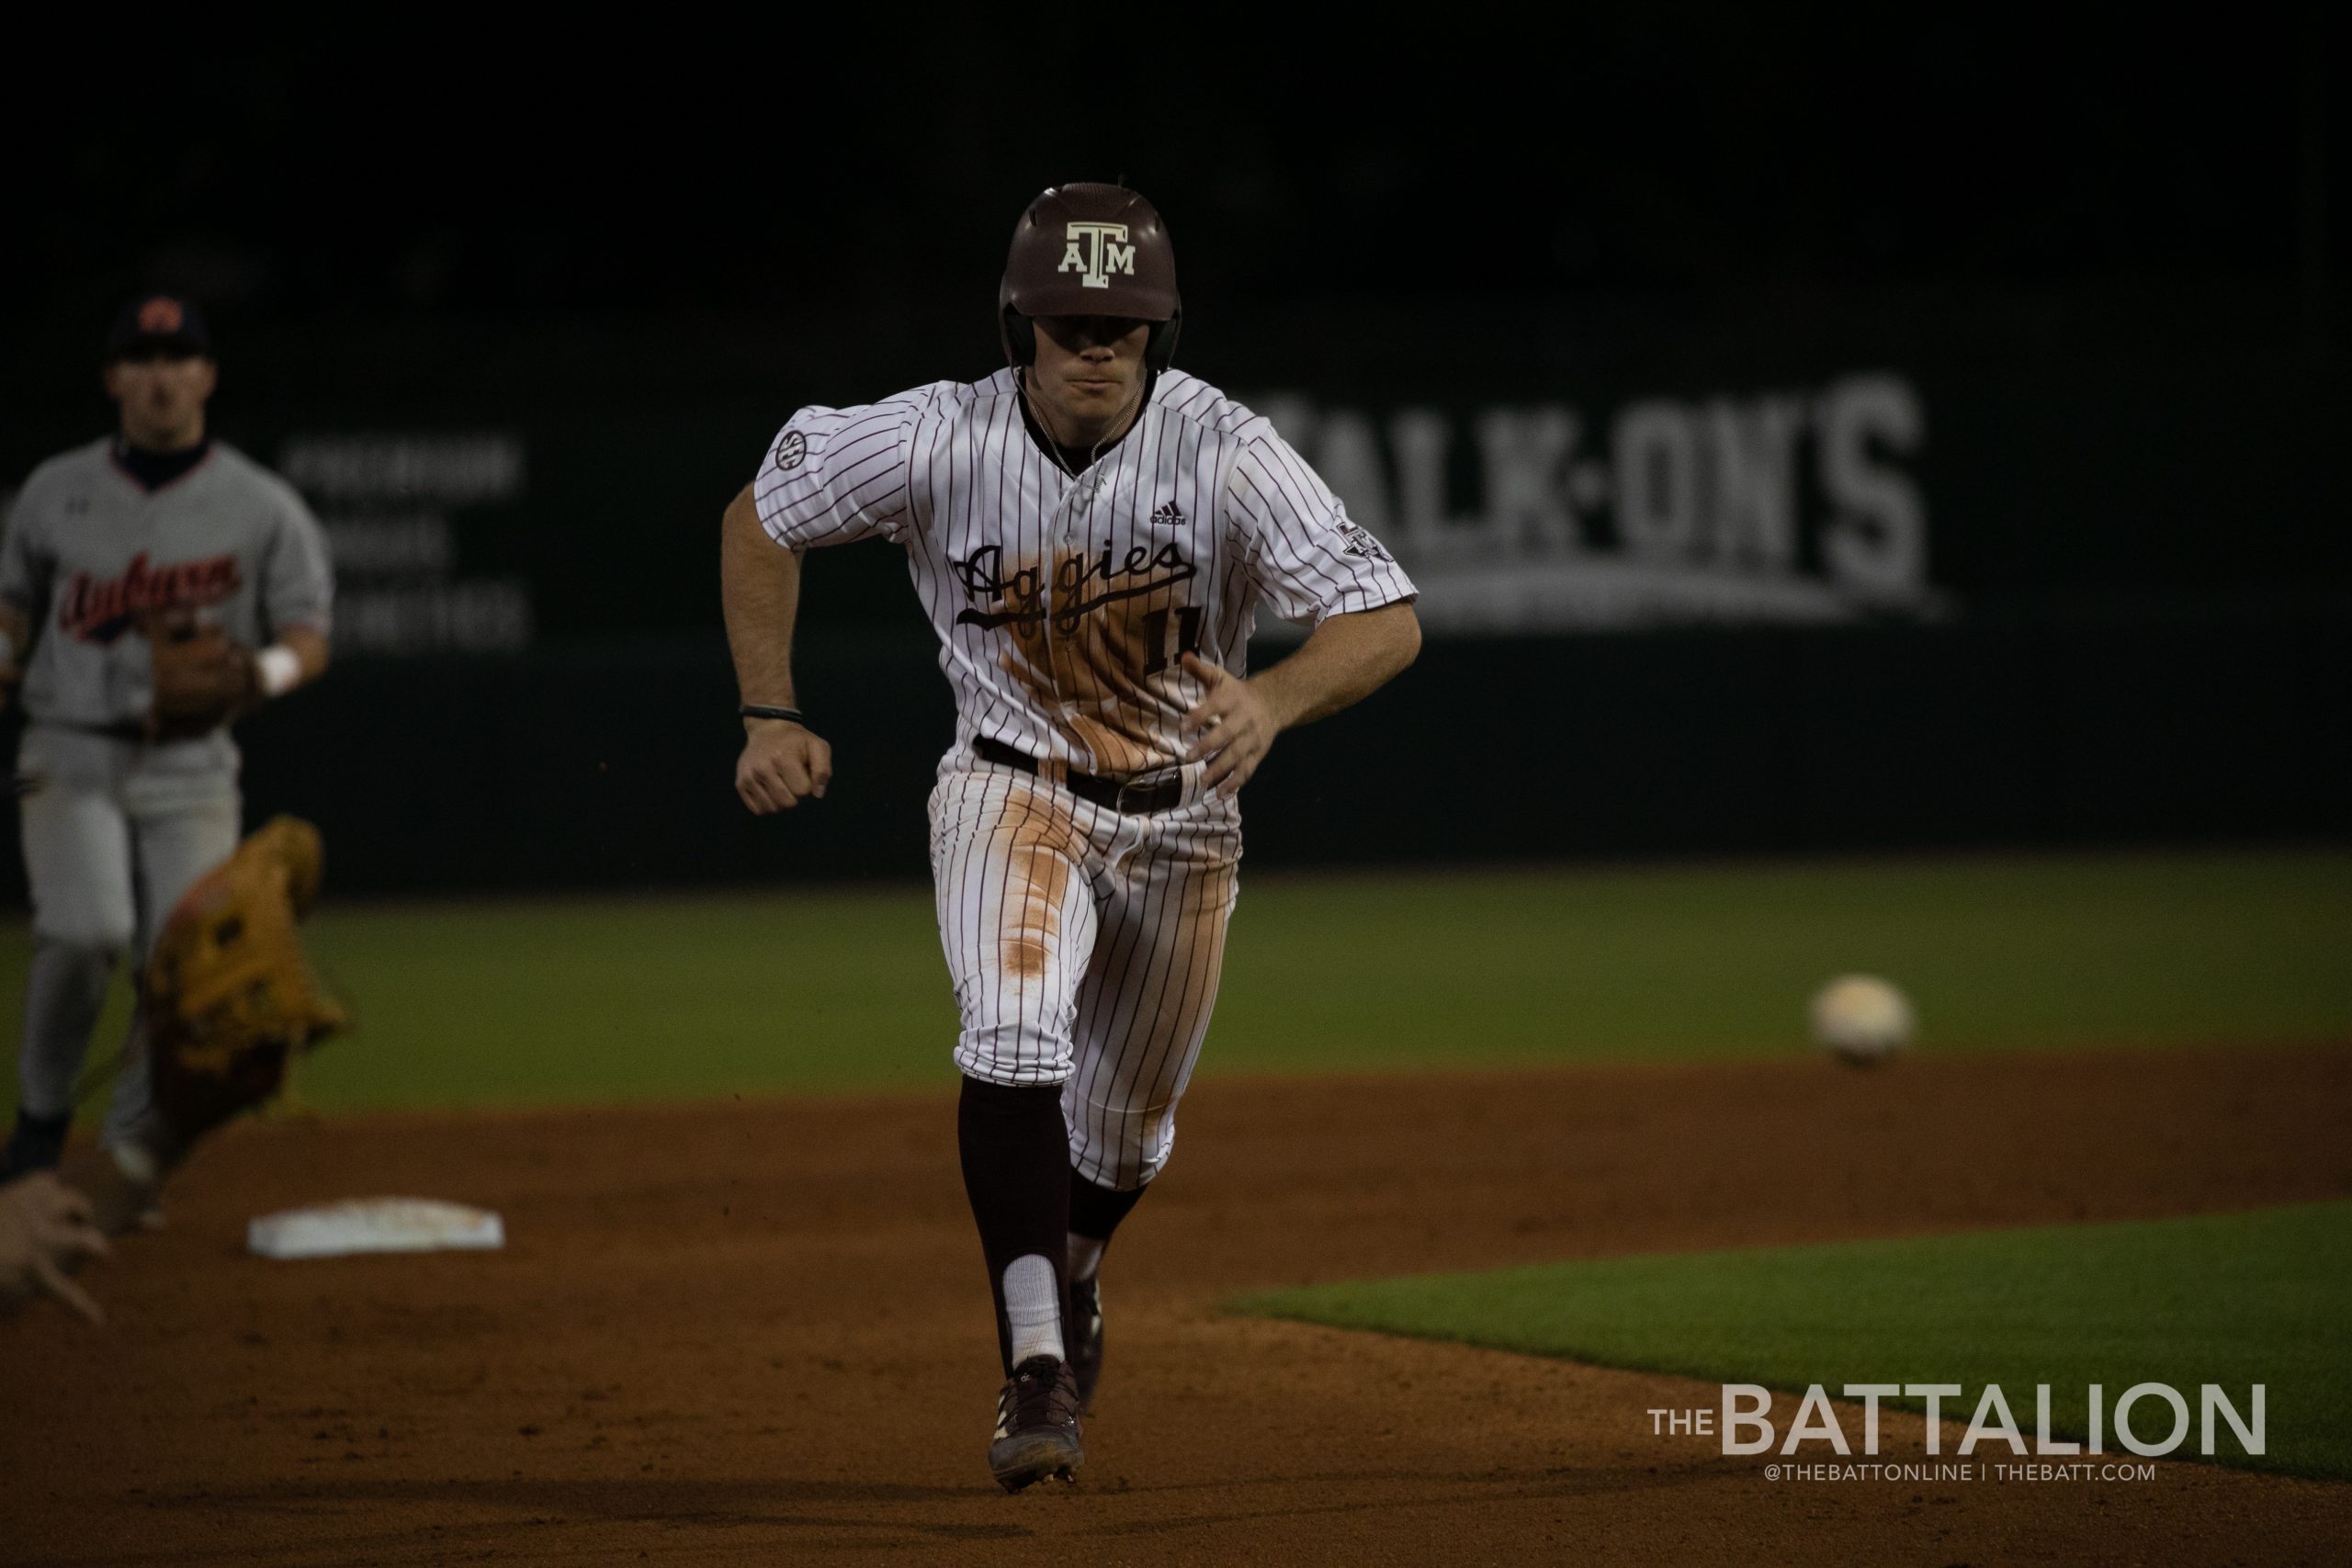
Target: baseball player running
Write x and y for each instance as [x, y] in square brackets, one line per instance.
[1092, 533]
[140, 572]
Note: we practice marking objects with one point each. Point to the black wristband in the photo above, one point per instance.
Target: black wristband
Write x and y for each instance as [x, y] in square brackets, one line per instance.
[757, 710]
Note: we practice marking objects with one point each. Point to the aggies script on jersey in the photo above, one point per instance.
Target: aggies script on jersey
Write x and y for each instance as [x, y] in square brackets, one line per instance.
[1064, 602]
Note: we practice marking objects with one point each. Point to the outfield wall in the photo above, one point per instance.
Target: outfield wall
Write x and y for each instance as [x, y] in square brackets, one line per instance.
[1702, 575]
[611, 766]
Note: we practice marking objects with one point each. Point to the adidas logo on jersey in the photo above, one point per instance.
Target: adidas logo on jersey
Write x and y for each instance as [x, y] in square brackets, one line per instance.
[1168, 515]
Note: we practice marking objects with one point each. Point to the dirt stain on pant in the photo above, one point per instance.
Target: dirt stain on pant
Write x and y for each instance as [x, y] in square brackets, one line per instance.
[1041, 848]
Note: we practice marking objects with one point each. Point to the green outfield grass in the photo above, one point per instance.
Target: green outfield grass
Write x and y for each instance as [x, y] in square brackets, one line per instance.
[2233, 1300]
[537, 1002]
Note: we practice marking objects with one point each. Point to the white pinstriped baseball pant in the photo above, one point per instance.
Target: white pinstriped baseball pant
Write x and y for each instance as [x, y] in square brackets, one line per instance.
[1085, 946]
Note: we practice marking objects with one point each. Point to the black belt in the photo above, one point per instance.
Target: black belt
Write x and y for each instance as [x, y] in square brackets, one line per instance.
[128, 729]
[1138, 799]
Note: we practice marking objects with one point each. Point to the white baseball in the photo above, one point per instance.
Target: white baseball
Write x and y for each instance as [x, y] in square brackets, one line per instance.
[1860, 1018]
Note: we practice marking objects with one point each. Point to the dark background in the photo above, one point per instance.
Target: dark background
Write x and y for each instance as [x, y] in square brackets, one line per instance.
[2106, 249]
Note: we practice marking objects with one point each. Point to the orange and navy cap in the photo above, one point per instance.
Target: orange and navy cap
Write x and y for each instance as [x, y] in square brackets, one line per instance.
[154, 321]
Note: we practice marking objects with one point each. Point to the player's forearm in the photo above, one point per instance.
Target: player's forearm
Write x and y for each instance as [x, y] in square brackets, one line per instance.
[16, 638]
[759, 591]
[309, 645]
[1346, 660]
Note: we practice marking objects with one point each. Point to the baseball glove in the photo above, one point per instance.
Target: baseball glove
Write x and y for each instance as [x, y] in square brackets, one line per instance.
[203, 678]
[228, 996]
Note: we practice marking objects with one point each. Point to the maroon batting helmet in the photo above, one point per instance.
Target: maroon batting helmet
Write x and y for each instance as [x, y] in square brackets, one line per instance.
[1089, 250]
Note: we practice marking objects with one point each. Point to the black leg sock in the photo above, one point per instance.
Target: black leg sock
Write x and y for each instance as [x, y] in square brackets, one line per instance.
[1095, 1211]
[38, 1143]
[1015, 1149]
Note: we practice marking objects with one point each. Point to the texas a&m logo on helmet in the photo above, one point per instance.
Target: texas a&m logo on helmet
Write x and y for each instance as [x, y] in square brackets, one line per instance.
[1095, 251]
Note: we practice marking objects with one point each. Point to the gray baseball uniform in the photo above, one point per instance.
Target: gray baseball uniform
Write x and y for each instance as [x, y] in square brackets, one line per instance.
[117, 829]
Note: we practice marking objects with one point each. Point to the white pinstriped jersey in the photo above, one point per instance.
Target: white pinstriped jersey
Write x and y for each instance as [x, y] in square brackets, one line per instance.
[1062, 604]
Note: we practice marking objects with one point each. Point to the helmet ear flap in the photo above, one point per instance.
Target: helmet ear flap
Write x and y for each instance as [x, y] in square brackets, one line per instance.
[1160, 348]
[1019, 336]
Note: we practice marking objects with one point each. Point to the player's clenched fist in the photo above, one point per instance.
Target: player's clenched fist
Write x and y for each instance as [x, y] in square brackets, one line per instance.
[1232, 727]
[783, 764]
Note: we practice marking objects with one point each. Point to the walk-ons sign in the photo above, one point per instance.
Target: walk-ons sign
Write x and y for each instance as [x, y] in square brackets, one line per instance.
[1794, 505]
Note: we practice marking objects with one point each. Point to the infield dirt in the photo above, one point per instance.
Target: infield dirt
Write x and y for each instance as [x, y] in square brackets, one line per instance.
[758, 1332]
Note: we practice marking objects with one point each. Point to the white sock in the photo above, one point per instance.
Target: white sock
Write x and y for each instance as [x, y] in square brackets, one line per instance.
[1085, 1255]
[1033, 1308]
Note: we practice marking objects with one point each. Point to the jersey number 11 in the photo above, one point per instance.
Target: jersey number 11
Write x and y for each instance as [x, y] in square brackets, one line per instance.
[1155, 637]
